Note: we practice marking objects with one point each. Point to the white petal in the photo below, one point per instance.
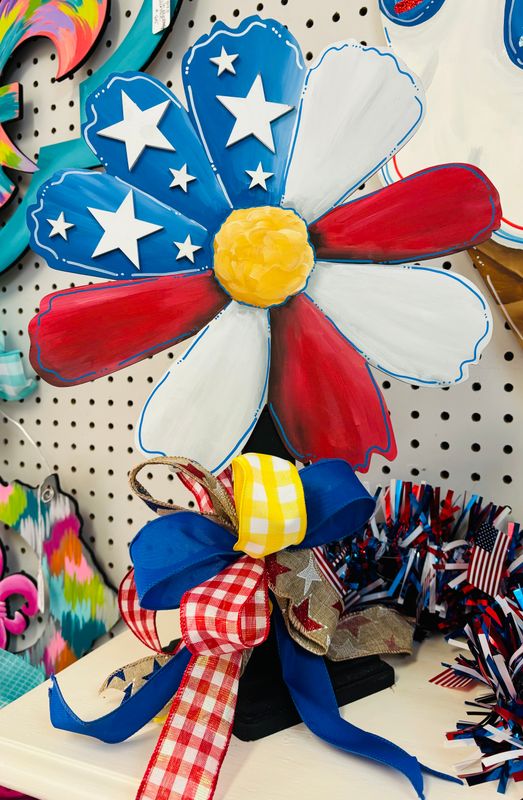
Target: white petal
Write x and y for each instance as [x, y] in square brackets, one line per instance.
[474, 100]
[207, 404]
[418, 324]
[359, 106]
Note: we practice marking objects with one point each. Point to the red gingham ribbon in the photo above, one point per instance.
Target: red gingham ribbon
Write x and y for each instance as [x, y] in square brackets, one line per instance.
[141, 621]
[220, 618]
[201, 495]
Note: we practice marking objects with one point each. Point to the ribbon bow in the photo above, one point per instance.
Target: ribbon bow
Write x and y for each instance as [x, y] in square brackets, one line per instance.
[189, 561]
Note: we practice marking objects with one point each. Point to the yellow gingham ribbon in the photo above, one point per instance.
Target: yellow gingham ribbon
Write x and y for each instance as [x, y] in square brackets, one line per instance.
[270, 504]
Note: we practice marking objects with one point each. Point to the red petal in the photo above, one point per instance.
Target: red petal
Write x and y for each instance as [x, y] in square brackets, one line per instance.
[83, 333]
[322, 394]
[431, 213]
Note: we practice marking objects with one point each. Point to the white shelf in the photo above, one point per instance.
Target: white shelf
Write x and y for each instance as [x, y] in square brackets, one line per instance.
[52, 764]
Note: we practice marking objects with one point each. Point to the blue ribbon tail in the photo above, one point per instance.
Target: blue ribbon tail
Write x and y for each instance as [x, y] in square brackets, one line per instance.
[134, 712]
[310, 687]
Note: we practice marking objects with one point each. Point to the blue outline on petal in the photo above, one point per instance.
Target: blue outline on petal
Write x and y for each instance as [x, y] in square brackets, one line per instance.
[463, 370]
[261, 404]
[384, 54]
[502, 233]
[121, 364]
[455, 248]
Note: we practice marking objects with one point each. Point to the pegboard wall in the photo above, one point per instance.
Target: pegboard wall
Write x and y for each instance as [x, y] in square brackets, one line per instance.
[466, 437]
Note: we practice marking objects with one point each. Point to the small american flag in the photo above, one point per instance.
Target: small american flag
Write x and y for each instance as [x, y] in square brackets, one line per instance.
[487, 558]
[451, 679]
[328, 570]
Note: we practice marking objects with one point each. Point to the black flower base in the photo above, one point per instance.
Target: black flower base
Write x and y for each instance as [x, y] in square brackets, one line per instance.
[265, 705]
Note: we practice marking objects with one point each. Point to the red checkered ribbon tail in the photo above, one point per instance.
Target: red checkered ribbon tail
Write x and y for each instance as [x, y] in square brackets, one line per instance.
[140, 620]
[219, 619]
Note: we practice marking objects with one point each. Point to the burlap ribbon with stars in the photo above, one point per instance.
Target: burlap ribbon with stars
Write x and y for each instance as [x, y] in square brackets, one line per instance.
[313, 613]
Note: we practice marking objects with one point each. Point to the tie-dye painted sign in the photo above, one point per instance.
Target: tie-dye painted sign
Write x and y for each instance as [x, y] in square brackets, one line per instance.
[73, 26]
[76, 604]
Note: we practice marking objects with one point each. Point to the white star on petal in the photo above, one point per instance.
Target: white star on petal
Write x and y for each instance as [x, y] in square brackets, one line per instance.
[309, 575]
[59, 226]
[258, 177]
[181, 177]
[254, 114]
[122, 230]
[224, 62]
[187, 249]
[138, 129]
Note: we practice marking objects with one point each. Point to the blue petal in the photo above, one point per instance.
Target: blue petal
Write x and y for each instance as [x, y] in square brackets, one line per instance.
[261, 48]
[154, 229]
[199, 198]
[419, 13]
[513, 31]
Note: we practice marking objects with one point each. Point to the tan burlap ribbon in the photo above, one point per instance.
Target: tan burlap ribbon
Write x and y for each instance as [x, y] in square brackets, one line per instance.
[224, 509]
[313, 613]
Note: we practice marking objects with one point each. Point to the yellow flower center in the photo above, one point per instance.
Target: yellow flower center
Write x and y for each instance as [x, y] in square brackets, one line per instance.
[262, 255]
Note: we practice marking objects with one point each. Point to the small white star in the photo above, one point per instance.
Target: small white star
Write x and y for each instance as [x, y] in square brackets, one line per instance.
[258, 177]
[59, 226]
[181, 177]
[187, 249]
[122, 230]
[224, 62]
[138, 129]
[254, 114]
[309, 575]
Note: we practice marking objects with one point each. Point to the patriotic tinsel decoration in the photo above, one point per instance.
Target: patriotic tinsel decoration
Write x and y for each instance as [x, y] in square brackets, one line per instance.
[433, 554]
[494, 640]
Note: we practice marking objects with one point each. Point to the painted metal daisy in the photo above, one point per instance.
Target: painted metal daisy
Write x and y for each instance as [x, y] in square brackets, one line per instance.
[230, 221]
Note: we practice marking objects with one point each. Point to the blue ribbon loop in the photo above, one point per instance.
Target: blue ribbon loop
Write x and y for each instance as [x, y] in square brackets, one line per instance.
[178, 551]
